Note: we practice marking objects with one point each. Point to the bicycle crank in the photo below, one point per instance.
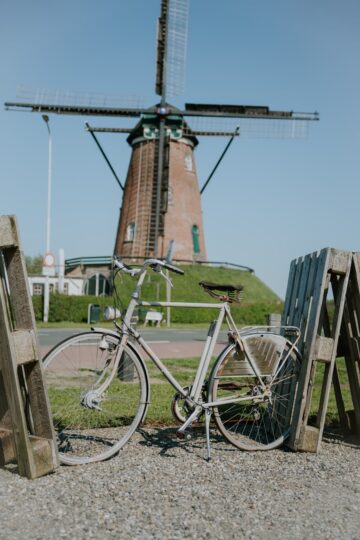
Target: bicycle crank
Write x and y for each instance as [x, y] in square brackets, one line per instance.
[180, 407]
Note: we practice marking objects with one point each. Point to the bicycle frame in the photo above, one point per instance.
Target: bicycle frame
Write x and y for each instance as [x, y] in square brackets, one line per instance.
[224, 315]
[212, 336]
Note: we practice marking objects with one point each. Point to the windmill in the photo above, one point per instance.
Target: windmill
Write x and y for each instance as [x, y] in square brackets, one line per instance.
[161, 204]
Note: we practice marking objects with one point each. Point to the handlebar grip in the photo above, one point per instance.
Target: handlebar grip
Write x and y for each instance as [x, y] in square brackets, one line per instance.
[173, 268]
[125, 268]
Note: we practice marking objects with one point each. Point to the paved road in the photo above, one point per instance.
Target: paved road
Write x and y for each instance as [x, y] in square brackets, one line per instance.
[166, 342]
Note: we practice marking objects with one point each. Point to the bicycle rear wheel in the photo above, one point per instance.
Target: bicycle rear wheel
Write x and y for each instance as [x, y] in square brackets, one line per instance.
[92, 427]
[256, 417]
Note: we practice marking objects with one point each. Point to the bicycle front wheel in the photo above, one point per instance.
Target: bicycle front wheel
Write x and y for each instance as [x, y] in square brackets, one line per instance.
[257, 404]
[92, 426]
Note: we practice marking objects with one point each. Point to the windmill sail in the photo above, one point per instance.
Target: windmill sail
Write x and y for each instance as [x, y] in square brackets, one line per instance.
[171, 48]
[161, 200]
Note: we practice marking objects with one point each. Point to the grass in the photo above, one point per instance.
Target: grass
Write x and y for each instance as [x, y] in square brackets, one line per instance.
[186, 287]
[159, 411]
[64, 396]
[257, 300]
[162, 392]
[332, 412]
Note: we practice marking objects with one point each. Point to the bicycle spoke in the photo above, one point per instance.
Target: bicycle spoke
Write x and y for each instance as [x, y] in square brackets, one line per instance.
[93, 426]
[262, 420]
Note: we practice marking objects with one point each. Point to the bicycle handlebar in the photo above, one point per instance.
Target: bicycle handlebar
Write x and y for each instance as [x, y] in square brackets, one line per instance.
[153, 263]
[125, 268]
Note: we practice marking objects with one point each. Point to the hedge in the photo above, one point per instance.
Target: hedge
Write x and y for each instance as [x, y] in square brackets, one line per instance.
[75, 309]
[69, 308]
[258, 299]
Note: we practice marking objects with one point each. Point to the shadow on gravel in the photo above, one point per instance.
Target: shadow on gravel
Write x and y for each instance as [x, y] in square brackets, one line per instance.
[335, 436]
[165, 439]
[11, 467]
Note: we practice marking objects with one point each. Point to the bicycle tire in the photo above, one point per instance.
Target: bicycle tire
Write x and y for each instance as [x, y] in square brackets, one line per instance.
[94, 430]
[259, 421]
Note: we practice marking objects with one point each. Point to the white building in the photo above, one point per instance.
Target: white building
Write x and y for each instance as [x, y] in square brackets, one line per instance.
[71, 286]
[83, 275]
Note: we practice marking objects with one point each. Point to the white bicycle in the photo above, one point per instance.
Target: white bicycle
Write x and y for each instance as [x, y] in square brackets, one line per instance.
[99, 387]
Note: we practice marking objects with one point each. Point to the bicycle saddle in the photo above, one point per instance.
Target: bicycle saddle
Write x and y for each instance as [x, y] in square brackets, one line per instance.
[231, 293]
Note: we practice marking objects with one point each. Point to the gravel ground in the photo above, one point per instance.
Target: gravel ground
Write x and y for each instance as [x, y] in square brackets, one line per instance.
[158, 487]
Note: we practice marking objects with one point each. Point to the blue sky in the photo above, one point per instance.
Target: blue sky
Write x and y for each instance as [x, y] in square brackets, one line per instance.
[271, 200]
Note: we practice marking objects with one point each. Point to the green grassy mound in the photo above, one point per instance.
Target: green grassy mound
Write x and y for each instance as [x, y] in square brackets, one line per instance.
[257, 302]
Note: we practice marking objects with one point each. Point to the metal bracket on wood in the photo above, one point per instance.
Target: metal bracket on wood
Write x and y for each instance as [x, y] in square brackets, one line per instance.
[26, 430]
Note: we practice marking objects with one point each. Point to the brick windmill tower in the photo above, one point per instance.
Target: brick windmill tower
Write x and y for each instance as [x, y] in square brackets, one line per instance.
[149, 223]
[161, 203]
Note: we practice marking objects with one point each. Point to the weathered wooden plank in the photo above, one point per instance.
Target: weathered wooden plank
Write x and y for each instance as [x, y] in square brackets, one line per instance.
[38, 399]
[25, 346]
[29, 435]
[12, 390]
[339, 401]
[295, 289]
[351, 331]
[339, 261]
[308, 366]
[316, 260]
[330, 266]
[8, 231]
[324, 348]
[340, 297]
[289, 293]
[309, 264]
[308, 439]
[44, 453]
[7, 446]
[313, 328]
[20, 298]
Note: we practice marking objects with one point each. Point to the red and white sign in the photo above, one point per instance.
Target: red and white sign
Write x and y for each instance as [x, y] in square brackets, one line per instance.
[48, 268]
[49, 259]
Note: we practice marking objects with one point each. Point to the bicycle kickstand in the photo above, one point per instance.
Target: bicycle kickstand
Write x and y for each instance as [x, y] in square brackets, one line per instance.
[208, 413]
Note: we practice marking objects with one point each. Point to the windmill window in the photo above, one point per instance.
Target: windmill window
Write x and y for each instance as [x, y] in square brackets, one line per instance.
[188, 162]
[130, 232]
[195, 238]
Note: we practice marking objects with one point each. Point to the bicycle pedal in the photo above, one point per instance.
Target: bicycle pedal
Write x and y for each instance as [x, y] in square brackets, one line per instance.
[184, 435]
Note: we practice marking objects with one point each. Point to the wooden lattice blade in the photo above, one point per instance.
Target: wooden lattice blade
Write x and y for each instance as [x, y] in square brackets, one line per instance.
[171, 47]
[244, 111]
[75, 110]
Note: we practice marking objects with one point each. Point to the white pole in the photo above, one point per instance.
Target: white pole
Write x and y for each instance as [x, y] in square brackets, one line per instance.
[47, 280]
[168, 299]
[61, 273]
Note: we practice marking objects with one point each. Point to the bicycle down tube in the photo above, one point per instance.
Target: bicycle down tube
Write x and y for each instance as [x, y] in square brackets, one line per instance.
[213, 334]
